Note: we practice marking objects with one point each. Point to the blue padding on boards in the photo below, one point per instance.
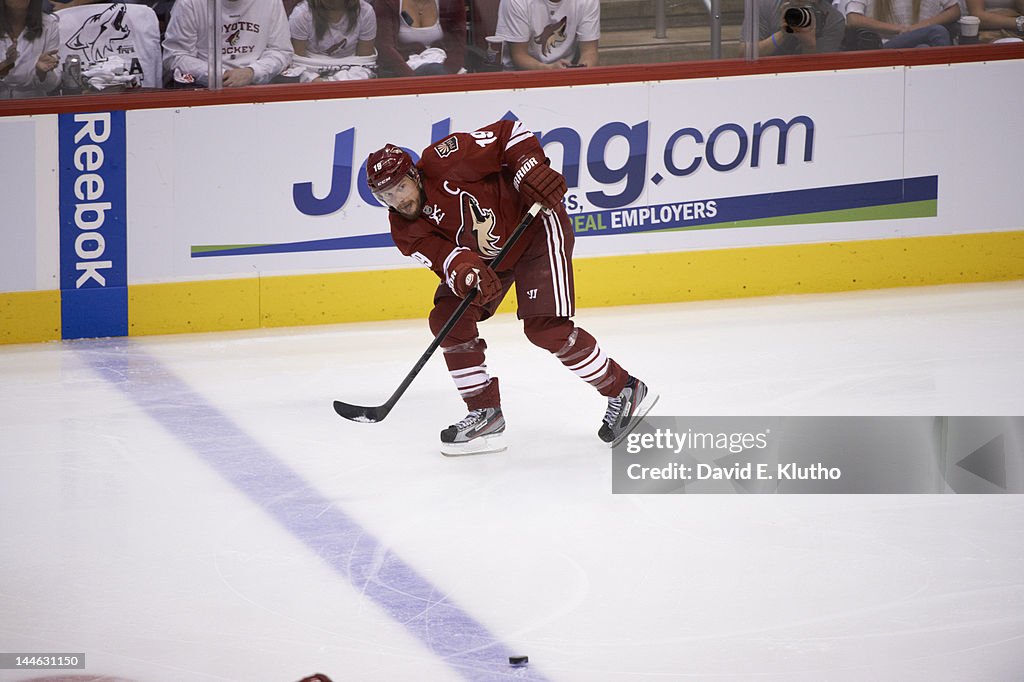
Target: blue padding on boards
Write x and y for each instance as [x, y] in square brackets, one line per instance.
[94, 312]
[93, 224]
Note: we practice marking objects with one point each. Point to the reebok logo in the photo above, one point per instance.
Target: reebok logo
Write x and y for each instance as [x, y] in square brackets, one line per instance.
[90, 212]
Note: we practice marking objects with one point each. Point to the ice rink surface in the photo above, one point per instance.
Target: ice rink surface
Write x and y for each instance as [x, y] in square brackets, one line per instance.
[190, 507]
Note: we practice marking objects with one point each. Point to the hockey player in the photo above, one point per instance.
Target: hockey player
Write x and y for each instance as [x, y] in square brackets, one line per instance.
[453, 212]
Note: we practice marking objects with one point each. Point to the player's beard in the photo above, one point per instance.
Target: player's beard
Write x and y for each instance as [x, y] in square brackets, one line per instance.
[414, 205]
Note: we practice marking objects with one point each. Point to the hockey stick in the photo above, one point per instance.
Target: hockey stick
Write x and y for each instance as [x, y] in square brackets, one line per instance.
[373, 415]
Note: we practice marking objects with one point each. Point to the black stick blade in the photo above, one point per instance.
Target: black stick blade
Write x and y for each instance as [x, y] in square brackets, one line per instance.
[357, 413]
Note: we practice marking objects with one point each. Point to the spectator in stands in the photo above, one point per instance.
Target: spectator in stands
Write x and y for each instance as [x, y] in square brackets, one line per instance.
[159, 7]
[162, 8]
[905, 23]
[255, 44]
[334, 39]
[29, 41]
[420, 37]
[116, 45]
[776, 37]
[549, 34]
[999, 18]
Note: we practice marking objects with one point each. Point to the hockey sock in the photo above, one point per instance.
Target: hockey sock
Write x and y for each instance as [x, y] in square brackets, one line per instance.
[579, 351]
[469, 372]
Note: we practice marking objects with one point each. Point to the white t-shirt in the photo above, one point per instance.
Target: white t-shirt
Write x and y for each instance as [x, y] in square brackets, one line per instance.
[254, 33]
[21, 80]
[902, 10]
[339, 40]
[550, 29]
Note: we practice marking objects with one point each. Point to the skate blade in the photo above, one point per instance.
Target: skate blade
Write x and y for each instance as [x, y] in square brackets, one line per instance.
[646, 405]
[478, 446]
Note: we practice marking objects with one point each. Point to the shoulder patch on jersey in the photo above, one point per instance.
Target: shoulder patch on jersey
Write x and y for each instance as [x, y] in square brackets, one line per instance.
[449, 146]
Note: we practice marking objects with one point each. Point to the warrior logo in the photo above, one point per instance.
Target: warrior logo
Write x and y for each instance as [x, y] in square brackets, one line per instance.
[97, 35]
[449, 146]
[481, 222]
[551, 37]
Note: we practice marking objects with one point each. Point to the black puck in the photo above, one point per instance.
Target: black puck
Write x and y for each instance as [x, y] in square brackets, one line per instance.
[518, 660]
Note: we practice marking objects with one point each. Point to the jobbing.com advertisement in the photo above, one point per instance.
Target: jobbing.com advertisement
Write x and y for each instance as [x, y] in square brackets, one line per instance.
[650, 167]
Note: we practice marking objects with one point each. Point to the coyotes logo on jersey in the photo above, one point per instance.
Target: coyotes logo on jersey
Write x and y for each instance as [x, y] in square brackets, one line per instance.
[552, 36]
[480, 222]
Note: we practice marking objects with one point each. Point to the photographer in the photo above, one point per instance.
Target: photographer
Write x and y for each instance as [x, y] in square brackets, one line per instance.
[796, 27]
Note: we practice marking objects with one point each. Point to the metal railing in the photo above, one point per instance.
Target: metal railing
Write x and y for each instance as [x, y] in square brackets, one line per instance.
[214, 59]
[714, 13]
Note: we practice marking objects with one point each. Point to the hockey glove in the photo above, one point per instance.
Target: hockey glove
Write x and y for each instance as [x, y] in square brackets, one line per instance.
[536, 181]
[467, 272]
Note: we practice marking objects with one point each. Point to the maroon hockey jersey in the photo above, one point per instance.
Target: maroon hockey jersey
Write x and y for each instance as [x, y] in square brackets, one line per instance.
[471, 202]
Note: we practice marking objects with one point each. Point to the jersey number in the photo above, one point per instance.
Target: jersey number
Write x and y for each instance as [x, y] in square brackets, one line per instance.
[484, 137]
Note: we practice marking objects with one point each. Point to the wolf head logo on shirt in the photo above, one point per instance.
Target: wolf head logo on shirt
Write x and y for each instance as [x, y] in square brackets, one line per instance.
[97, 35]
[481, 222]
[552, 36]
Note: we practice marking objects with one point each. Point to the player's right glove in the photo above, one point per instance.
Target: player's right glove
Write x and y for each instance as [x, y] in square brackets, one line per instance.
[467, 271]
[537, 181]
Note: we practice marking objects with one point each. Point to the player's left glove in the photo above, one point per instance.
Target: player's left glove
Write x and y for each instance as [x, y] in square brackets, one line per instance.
[467, 271]
[537, 181]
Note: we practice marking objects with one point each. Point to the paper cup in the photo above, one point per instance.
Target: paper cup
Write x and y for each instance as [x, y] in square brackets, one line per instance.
[969, 26]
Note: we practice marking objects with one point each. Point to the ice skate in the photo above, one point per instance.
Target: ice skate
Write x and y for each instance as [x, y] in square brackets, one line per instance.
[625, 410]
[480, 432]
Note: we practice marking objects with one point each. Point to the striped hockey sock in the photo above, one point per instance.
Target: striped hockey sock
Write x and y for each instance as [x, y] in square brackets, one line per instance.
[468, 369]
[584, 358]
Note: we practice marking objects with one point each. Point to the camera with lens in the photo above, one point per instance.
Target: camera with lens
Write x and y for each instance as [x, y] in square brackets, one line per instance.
[797, 17]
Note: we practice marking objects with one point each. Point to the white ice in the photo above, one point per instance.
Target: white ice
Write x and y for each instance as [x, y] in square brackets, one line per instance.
[124, 535]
